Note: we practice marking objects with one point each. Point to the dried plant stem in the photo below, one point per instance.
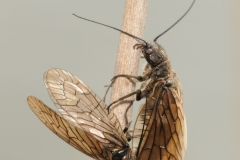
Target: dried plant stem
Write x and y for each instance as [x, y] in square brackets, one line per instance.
[128, 58]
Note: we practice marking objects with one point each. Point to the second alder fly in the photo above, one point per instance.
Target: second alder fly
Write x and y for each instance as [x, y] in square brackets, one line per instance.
[84, 122]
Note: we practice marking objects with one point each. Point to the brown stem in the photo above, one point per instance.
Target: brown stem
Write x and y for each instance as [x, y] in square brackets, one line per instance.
[128, 58]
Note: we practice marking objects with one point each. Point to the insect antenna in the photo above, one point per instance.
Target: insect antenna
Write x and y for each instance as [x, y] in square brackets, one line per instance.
[155, 39]
[130, 35]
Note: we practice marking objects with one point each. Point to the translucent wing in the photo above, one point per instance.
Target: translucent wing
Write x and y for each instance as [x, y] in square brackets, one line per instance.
[80, 106]
[164, 134]
[65, 129]
[71, 95]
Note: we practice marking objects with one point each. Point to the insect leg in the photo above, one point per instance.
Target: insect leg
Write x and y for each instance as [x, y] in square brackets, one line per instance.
[139, 95]
[126, 129]
[146, 76]
[108, 87]
[124, 97]
[139, 78]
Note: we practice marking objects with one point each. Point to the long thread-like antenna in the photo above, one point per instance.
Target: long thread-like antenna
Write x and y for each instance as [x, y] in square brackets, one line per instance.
[112, 28]
[155, 39]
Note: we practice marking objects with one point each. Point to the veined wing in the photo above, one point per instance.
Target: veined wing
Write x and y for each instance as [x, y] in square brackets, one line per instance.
[66, 129]
[74, 97]
[164, 135]
[80, 106]
[138, 130]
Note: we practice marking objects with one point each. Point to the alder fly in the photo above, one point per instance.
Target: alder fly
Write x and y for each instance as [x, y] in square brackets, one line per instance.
[84, 121]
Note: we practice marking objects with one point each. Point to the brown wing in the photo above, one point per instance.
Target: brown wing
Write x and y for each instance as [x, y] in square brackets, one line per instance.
[138, 130]
[164, 136]
[71, 134]
[71, 95]
[79, 105]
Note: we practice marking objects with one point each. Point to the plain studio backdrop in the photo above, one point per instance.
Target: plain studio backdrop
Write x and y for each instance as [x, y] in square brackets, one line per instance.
[38, 35]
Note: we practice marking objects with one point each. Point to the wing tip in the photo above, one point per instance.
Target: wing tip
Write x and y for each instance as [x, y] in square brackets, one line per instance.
[30, 97]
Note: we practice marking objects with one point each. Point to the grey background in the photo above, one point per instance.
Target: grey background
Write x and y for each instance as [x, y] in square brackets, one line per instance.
[38, 35]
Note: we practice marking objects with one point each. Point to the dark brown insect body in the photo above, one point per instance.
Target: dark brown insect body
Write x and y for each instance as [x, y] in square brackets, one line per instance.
[160, 131]
[163, 135]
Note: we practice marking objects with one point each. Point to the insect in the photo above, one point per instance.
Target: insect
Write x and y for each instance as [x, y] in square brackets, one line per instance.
[160, 131]
[84, 122]
[82, 119]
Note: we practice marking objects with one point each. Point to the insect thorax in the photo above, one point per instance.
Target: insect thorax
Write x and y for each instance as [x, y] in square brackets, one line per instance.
[163, 70]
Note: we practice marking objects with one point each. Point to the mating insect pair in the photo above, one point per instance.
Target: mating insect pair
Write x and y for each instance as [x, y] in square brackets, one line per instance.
[84, 122]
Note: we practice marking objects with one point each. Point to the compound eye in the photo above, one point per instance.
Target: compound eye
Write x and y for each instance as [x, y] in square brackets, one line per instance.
[149, 51]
